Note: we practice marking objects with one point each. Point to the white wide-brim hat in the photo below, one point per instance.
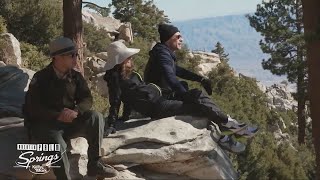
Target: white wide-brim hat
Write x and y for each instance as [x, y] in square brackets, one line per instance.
[118, 53]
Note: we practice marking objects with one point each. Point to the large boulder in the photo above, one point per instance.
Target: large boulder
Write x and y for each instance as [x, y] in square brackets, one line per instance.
[110, 24]
[14, 83]
[11, 134]
[280, 98]
[113, 26]
[10, 52]
[262, 87]
[96, 65]
[95, 68]
[208, 61]
[205, 68]
[180, 146]
[170, 148]
[102, 55]
[125, 32]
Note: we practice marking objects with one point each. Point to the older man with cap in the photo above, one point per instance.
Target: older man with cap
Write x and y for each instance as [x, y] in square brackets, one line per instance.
[161, 68]
[58, 104]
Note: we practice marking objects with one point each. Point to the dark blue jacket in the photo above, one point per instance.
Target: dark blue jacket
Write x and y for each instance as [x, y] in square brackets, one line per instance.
[162, 70]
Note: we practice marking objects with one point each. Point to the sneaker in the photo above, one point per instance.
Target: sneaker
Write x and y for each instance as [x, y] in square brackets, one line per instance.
[247, 132]
[233, 125]
[100, 170]
[231, 145]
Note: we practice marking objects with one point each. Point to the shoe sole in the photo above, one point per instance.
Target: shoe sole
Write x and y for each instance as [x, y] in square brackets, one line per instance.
[230, 150]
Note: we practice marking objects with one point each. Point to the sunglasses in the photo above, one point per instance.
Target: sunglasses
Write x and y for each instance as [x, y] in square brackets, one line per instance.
[179, 36]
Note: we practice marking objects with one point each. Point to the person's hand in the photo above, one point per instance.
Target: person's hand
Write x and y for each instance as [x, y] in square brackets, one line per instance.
[206, 84]
[67, 115]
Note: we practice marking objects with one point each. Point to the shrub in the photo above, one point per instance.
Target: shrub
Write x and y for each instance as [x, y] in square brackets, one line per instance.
[100, 104]
[97, 39]
[33, 21]
[3, 25]
[33, 58]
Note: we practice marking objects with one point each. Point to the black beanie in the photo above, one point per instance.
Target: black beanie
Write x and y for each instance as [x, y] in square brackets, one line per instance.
[166, 31]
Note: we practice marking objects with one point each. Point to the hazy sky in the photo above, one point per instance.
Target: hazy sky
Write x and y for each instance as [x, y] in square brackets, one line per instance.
[193, 9]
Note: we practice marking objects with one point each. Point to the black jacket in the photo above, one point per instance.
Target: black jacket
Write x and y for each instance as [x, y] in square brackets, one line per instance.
[162, 70]
[133, 92]
[48, 95]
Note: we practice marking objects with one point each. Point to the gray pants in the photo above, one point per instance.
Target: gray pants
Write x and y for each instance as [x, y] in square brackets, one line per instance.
[91, 123]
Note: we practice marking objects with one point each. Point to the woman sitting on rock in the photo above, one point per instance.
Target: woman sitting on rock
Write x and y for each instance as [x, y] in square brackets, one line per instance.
[126, 85]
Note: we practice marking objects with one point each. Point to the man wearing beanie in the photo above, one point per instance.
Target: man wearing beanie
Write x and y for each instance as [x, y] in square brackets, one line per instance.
[162, 70]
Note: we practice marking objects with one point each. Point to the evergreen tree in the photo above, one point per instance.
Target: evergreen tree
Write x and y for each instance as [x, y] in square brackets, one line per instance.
[33, 21]
[280, 22]
[265, 157]
[219, 49]
[143, 15]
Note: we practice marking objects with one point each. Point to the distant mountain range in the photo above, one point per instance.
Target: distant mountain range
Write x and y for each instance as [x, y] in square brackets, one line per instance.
[240, 40]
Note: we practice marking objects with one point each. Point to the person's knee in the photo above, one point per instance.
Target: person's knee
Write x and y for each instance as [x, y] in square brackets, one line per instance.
[93, 114]
[58, 139]
[95, 117]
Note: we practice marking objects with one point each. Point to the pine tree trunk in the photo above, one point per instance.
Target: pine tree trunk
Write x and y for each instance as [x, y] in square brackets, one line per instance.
[311, 24]
[72, 26]
[301, 108]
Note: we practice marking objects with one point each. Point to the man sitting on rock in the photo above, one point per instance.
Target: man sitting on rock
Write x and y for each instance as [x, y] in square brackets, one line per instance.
[58, 103]
[127, 86]
[162, 70]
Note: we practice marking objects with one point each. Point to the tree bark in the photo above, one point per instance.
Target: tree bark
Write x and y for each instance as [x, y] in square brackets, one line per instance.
[301, 108]
[73, 28]
[312, 32]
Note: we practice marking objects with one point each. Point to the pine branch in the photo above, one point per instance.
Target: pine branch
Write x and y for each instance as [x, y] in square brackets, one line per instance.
[93, 4]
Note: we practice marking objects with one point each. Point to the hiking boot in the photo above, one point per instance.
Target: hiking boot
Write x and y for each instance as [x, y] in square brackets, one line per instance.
[232, 126]
[100, 170]
[228, 143]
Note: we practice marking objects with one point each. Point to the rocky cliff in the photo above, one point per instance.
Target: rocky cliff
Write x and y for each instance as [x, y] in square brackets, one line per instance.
[170, 148]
